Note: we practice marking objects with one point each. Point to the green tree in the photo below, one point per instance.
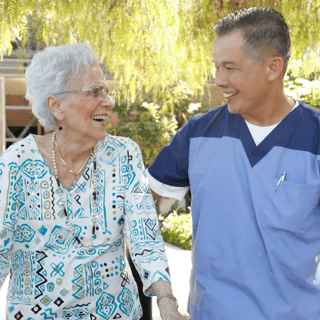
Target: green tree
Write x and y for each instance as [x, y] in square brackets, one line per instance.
[151, 44]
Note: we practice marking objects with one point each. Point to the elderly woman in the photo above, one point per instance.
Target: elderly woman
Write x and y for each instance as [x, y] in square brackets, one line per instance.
[71, 199]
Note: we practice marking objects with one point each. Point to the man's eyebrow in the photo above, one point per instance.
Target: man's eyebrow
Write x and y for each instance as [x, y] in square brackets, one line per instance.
[226, 62]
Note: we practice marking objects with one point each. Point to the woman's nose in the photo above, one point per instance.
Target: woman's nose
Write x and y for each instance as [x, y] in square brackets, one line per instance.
[110, 101]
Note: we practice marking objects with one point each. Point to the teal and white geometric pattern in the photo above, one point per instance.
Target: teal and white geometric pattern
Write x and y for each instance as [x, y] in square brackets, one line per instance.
[106, 305]
[125, 301]
[53, 277]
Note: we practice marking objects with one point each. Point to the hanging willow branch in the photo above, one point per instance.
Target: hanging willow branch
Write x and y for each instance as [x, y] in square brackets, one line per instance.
[152, 44]
[113, 5]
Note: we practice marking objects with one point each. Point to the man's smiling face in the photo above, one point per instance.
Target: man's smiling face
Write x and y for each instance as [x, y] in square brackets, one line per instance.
[242, 80]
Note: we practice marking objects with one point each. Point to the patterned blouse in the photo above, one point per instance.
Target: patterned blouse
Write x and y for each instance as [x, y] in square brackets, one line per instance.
[52, 276]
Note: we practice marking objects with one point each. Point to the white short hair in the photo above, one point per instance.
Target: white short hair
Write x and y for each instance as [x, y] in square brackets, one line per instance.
[50, 72]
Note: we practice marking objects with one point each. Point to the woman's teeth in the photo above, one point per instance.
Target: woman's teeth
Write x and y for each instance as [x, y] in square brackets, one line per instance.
[99, 118]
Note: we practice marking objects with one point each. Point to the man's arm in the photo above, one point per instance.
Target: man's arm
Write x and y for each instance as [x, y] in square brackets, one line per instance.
[168, 174]
[160, 189]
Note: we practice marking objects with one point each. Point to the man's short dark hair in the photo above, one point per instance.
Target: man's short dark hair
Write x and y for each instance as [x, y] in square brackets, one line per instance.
[264, 31]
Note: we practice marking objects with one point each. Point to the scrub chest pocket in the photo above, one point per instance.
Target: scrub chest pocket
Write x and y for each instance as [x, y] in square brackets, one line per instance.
[289, 208]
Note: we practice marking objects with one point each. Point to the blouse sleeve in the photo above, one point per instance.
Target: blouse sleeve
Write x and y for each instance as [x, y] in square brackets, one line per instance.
[7, 212]
[141, 227]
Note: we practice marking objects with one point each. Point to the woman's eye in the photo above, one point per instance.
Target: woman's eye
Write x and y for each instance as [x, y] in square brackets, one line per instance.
[95, 92]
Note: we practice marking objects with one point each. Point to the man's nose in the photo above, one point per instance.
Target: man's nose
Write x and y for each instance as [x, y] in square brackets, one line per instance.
[221, 79]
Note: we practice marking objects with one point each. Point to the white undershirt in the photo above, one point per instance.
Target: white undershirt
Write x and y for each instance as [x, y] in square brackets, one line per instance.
[258, 134]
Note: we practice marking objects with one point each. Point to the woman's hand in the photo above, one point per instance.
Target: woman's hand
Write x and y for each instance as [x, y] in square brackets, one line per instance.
[174, 315]
[167, 307]
[168, 310]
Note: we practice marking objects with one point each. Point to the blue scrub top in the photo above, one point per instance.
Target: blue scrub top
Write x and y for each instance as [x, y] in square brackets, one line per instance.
[254, 249]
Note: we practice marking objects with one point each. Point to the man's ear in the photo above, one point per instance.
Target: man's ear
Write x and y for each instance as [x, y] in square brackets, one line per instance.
[275, 66]
[56, 107]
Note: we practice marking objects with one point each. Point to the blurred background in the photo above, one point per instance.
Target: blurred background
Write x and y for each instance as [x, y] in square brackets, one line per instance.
[157, 55]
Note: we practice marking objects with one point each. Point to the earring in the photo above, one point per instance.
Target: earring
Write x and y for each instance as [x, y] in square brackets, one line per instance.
[60, 127]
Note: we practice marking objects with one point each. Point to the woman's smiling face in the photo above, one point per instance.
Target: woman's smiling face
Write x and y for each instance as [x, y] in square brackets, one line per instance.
[86, 115]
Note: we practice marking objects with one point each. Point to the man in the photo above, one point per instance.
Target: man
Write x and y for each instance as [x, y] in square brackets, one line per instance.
[253, 169]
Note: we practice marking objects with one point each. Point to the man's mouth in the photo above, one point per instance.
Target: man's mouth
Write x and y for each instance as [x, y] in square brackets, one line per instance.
[229, 95]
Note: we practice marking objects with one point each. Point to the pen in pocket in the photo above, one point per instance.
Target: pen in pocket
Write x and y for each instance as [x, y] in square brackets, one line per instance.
[280, 180]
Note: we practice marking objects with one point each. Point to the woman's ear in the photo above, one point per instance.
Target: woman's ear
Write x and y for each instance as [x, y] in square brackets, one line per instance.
[56, 107]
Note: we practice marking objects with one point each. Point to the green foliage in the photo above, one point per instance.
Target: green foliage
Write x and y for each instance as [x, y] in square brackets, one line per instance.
[152, 44]
[177, 99]
[153, 123]
[144, 124]
[13, 22]
[35, 32]
[177, 229]
[308, 91]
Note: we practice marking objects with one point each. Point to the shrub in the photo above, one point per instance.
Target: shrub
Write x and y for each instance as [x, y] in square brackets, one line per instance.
[308, 91]
[145, 124]
[153, 121]
[179, 99]
[177, 229]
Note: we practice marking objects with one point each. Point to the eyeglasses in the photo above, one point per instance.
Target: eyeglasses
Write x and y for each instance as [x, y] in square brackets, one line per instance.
[96, 92]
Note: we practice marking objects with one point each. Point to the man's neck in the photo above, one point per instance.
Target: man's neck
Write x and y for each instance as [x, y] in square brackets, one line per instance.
[272, 112]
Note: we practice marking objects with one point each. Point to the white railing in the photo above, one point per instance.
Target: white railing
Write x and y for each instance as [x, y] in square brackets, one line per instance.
[2, 115]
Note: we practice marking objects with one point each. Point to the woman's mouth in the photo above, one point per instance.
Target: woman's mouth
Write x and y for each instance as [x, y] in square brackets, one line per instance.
[99, 118]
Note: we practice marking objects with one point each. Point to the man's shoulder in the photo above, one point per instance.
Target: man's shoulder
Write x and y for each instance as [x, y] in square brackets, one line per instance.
[304, 127]
[208, 116]
[201, 122]
[309, 118]
[309, 112]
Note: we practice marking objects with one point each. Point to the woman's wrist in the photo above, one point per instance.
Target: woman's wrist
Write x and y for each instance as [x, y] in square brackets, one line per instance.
[167, 295]
[166, 301]
[166, 307]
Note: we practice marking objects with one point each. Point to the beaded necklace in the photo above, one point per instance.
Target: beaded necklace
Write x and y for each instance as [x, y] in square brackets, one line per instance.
[94, 181]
